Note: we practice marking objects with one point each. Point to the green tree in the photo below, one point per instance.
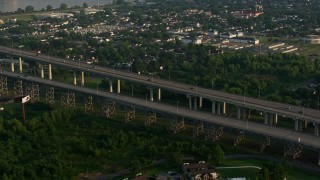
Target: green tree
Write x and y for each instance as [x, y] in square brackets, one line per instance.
[85, 5]
[49, 8]
[63, 6]
[218, 154]
[265, 174]
[29, 9]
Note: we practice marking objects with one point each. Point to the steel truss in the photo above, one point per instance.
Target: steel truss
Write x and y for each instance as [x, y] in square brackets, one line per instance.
[293, 150]
[18, 91]
[33, 90]
[50, 94]
[213, 134]
[109, 109]
[264, 143]
[3, 85]
[88, 105]
[130, 114]
[198, 129]
[239, 138]
[68, 99]
[152, 119]
[176, 125]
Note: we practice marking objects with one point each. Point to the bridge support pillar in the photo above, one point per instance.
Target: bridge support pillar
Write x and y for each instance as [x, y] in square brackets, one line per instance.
[319, 159]
[42, 72]
[316, 129]
[50, 72]
[110, 86]
[195, 105]
[238, 112]
[190, 101]
[219, 108]
[296, 124]
[200, 102]
[159, 94]
[305, 123]
[276, 119]
[82, 78]
[118, 86]
[244, 113]
[213, 107]
[151, 94]
[266, 118]
[270, 119]
[74, 78]
[20, 65]
[224, 108]
[300, 125]
[12, 66]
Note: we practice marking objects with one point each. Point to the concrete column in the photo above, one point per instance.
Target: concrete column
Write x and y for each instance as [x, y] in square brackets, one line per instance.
[12, 66]
[219, 108]
[159, 94]
[190, 102]
[110, 86]
[319, 159]
[224, 108]
[296, 124]
[200, 102]
[42, 71]
[300, 125]
[82, 78]
[195, 105]
[50, 72]
[266, 118]
[276, 119]
[270, 119]
[244, 113]
[20, 65]
[249, 113]
[305, 124]
[238, 112]
[118, 86]
[213, 107]
[151, 94]
[316, 129]
[74, 78]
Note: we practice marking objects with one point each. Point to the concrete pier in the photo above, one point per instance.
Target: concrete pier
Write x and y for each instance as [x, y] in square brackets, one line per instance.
[74, 78]
[159, 94]
[213, 110]
[20, 65]
[219, 108]
[151, 94]
[12, 66]
[118, 86]
[50, 72]
[316, 129]
[42, 71]
[190, 101]
[266, 118]
[238, 112]
[195, 105]
[200, 102]
[224, 108]
[82, 78]
[110, 86]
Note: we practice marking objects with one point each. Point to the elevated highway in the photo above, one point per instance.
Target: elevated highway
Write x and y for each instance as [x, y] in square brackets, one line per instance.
[297, 113]
[308, 140]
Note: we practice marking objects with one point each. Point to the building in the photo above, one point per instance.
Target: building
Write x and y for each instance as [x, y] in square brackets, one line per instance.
[246, 14]
[1, 21]
[244, 40]
[311, 39]
[199, 171]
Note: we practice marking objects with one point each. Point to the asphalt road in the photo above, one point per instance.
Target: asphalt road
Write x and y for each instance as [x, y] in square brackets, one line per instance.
[295, 112]
[270, 131]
